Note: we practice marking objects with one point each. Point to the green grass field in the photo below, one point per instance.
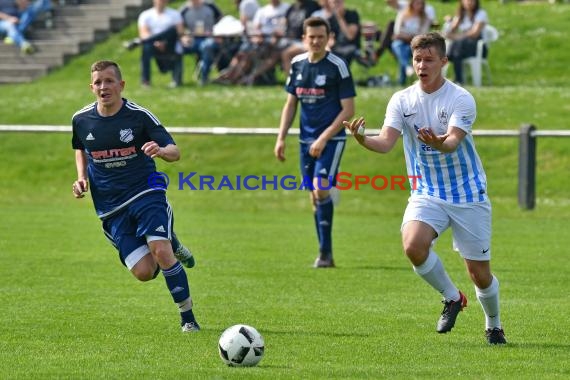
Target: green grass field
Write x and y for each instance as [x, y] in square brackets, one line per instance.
[69, 310]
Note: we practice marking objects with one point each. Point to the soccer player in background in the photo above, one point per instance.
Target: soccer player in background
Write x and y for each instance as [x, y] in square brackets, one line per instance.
[323, 84]
[116, 142]
[436, 117]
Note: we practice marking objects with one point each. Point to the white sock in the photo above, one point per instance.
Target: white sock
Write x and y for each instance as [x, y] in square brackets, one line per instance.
[433, 273]
[489, 300]
[185, 305]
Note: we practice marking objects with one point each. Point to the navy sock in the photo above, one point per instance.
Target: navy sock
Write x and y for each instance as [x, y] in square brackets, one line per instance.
[187, 316]
[177, 282]
[317, 227]
[325, 210]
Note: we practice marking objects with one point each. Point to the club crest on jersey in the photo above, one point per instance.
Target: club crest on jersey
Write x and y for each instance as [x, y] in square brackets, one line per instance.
[320, 80]
[466, 120]
[126, 135]
[443, 117]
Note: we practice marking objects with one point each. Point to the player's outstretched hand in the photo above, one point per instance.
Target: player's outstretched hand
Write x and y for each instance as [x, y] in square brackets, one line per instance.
[356, 128]
[427, 136]
[80, 187]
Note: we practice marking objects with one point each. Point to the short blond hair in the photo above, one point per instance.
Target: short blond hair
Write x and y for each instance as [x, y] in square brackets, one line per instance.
[103, 65]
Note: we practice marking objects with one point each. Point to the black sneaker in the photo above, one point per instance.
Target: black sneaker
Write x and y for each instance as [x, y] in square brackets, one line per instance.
[449, 314]
[184, 255]
[495, 336]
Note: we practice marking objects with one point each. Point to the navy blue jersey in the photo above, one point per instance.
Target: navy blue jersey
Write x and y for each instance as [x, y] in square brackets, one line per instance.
[319, 87]
[118, 169]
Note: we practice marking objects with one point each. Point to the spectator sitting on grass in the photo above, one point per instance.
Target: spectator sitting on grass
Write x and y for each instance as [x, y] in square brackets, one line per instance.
[255, 61]
[159, 31]
[199, 20]
[385, 36]
[345, 24]
[410, 22]
[463, 33]
[15, 18]
[292, 44]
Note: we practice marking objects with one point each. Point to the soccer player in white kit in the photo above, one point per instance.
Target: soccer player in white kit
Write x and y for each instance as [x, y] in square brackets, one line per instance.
[435, 118]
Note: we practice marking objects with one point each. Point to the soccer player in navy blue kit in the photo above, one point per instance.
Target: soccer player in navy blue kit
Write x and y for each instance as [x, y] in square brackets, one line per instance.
[116, 142]
[323, 84]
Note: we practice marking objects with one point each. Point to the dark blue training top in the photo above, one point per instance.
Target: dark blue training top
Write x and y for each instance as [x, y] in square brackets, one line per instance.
[319, 86]
[118, 169]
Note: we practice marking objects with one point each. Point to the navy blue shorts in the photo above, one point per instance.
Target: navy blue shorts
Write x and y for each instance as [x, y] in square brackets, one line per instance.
[145, 219]
[326, 166]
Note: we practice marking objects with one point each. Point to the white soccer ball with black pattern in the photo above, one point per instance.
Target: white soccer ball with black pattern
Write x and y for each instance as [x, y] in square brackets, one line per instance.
[241, 346]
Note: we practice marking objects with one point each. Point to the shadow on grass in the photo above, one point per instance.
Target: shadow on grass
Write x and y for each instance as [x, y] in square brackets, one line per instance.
[289, 332]
[537, 346]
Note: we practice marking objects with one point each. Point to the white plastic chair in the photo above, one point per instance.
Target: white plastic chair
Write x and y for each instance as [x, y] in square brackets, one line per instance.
[489, 35]
[476, 63]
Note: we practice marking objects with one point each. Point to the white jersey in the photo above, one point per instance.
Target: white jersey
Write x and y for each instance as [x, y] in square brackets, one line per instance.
[429, 9]
[456, 177]
[466, 23]
[270, 19]
[411, 25]
[159, 22]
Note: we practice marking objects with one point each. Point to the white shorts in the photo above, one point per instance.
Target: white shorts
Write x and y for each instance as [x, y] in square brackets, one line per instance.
[470, 223]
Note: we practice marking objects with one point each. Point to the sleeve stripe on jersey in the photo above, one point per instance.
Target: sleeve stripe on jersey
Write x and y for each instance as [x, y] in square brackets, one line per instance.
[300, 57]
[340, 63]
[88, 107]
[136, 107]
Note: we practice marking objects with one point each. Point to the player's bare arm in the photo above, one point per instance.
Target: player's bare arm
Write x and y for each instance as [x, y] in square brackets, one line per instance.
[287, 116]
[382, 143]
[347, 112]
[169, 153]
[445, 143]
[81, 185]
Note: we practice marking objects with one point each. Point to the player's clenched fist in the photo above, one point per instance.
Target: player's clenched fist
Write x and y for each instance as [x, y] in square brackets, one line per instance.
[80, 187]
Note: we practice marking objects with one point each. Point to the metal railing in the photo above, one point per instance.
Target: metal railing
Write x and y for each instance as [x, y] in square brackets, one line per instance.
[527, 135]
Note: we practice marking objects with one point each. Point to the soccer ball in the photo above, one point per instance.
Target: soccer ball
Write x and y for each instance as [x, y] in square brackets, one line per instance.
[241, 346]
